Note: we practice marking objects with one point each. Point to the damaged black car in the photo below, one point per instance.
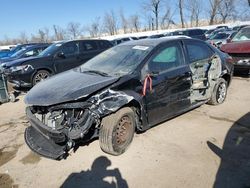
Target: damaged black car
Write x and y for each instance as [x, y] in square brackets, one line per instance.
[126, 89]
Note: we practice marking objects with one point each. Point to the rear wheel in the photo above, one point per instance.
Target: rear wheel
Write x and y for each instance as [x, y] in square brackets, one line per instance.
[40, 76]
[117, 131]
[219, 93]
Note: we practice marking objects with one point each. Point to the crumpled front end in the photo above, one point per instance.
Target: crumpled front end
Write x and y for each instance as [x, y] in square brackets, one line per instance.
[55, 130]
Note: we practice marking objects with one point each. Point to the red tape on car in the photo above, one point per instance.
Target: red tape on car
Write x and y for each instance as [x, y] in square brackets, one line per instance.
[147, 79]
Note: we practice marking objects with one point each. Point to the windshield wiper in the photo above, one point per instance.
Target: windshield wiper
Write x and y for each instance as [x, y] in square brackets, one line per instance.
[97, 72]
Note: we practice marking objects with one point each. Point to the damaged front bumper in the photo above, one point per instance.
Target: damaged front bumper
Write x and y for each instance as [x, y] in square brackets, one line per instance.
[58, 128]
[53, 143]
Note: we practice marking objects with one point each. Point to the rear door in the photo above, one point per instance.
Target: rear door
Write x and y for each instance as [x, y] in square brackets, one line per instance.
[171, 83]
[200, 59]
[88, 50]
[70, 58]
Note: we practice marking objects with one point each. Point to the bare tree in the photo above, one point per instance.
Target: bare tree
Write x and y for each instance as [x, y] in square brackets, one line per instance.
[74, 30]
[194, 7]
[167, 18]
[59, 33]
[110, 23]
[180, 5]
[213, 10]
[135, 23]
[94, 28]
[23, 38]
[154, 7]
[124, 22]
[226, 10]
[42, 35]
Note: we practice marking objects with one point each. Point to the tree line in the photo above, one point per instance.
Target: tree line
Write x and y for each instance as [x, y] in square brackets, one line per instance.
[153, 15]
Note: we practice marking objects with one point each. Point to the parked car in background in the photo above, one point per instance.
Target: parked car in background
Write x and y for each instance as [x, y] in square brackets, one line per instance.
[208, 32]
[239, 50]
[27, 51]
[142, 37]
[121, 40]
[130, 87]
[4, 53]
[215, 32]
[221, 38]
[239, 27]
[222, 27]
[193, 33]
[58, 57]
[156, 36]
[15, 49]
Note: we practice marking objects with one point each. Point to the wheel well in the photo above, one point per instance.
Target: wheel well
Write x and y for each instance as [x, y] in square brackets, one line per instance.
[227, 77]
[137, 109]
[39, 70]
[45, 70]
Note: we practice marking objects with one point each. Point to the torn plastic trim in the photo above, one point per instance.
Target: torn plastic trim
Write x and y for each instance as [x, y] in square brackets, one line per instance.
[43, 146]
[108, 101]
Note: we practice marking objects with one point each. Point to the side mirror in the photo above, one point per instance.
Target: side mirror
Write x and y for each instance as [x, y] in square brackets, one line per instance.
[61, 55]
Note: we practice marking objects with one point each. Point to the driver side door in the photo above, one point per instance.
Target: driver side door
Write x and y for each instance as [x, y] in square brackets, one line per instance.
[68, 58]
[171, 83]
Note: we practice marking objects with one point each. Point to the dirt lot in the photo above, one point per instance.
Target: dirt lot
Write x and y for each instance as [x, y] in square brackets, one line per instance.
[209, 146]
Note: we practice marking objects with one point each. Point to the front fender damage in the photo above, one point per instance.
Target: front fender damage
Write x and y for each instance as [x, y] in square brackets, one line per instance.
[58, 128]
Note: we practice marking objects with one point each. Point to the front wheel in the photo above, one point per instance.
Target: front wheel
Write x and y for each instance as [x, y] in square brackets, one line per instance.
[40, 76]
[219, 93]
[117, 131]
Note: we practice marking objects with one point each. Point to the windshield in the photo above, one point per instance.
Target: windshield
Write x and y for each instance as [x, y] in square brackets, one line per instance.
[18, 53]
[220, 36]
[117, 61]
[242, 35]
[51, 49]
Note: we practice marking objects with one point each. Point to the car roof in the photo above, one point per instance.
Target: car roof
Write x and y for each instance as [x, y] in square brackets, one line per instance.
[157, 41]
[78, 40]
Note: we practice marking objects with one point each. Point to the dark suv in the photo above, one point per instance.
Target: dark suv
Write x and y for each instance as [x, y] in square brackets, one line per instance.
[58, 57]
[128, 88]
[193, 33]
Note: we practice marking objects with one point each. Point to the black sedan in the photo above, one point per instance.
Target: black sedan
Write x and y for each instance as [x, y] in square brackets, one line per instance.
[128, 88]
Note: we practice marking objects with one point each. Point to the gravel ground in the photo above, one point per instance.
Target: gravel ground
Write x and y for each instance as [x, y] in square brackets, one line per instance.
[206, 147]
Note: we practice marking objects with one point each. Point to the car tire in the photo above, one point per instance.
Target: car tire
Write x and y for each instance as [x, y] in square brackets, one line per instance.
[40, 76]
[117, 131]
[219, 92]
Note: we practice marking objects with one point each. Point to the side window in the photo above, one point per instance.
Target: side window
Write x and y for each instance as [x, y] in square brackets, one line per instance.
[29, 53]
[104, 44]
[89, 46]
[70, 48]
[167, 58]
[198, 51]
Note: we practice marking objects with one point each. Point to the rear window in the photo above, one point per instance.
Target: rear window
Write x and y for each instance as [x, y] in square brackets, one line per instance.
[198, 51]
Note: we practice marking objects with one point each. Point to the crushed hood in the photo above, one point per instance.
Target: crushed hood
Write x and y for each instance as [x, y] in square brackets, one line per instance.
[65, 87]
[237, 47]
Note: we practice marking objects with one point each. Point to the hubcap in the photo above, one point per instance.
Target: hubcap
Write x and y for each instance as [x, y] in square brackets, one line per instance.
[222, 91]
[123, 130]
[41, 76]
